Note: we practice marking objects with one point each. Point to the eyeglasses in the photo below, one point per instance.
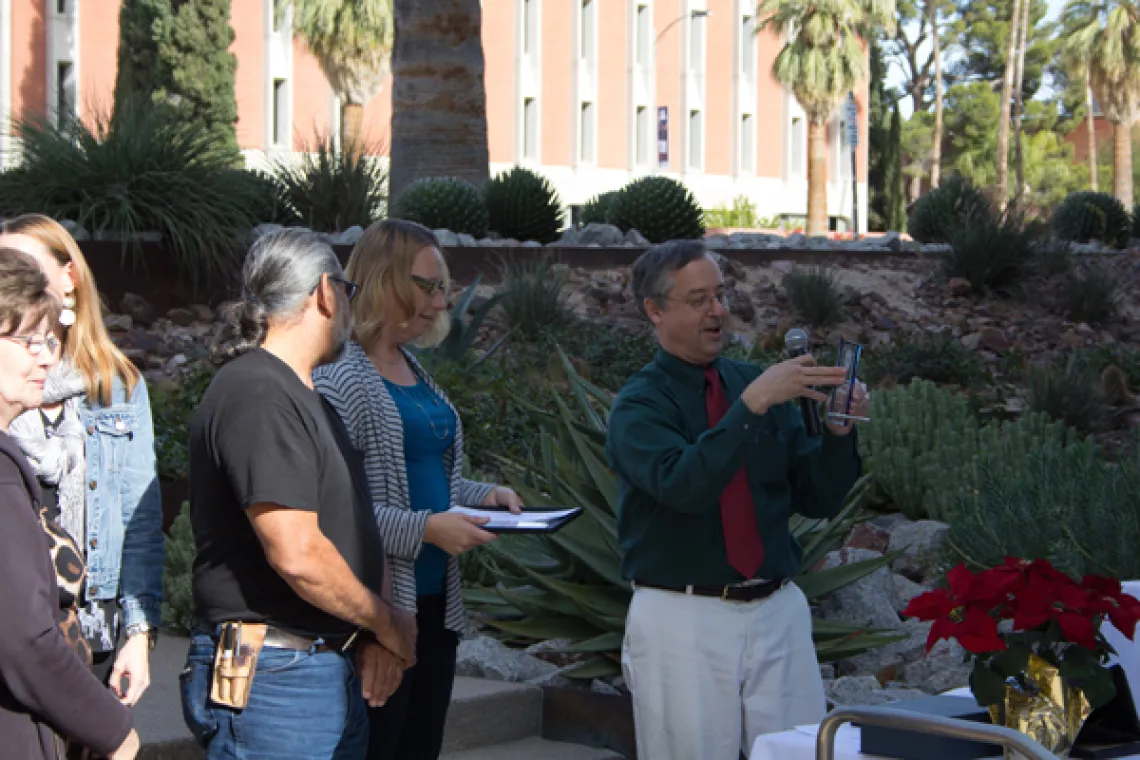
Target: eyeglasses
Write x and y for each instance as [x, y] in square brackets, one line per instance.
[350, 288]
[36, 343]
[429, 286]
[703, 303]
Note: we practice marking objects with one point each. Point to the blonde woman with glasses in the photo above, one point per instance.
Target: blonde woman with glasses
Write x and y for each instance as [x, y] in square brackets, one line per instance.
[92, 448]
[412, 440]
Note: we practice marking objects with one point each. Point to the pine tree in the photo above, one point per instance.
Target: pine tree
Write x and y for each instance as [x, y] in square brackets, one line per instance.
[894, 196]
[174, 54]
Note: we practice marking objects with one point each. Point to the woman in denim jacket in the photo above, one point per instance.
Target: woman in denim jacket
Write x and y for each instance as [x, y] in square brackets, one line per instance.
[92, 447]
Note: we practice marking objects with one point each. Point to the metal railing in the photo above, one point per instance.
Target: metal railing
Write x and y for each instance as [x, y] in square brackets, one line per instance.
[925, 724]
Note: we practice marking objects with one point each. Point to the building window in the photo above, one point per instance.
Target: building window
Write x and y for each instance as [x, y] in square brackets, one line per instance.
[643, 31]
[280, 112]
[62, 7]
[65, 92]
[280, 13]
[798, 140]
[696, 141]
[748, 45]
[586, 134]
[530, 128]
[697, 42]
[641, 139]
[587, 29]
[530, 26]
[747, 144]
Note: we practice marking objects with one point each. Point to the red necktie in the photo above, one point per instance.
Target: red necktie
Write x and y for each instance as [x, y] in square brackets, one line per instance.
[737, 509]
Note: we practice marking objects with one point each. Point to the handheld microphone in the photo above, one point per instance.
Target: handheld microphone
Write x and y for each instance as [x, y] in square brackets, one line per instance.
[797, 344]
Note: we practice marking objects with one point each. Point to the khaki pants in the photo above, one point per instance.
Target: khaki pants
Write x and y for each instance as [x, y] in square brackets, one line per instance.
[708, 676]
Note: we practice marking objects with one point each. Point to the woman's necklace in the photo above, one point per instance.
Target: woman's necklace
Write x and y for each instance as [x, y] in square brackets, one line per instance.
[435, 402]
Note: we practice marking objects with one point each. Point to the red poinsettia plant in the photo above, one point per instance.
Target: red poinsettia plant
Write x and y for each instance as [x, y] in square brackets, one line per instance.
[1002, 615]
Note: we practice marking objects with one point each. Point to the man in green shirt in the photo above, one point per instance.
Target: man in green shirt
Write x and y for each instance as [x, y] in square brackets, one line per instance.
[712, 457]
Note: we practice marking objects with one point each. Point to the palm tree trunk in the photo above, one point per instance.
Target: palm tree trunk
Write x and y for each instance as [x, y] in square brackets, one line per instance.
[1092, 132]
[936, 146]
[1122, 164]
[351, 127]
[1002, 189]
[439, 103]
[1018, 95]
[817, 177]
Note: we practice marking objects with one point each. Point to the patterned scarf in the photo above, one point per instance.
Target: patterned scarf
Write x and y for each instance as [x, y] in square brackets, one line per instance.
[58, 456]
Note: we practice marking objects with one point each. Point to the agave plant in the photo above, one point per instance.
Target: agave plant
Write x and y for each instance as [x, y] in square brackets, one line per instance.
[461, 338]
[568, 585]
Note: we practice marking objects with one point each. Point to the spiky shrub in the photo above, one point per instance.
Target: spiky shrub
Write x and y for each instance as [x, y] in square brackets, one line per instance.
[944, 211]
[444, 203]
[329, 189]
[937, 357]
[659, 208]
[814, 294]
[992, 253]
[915, 425]
[534, 298]
[568, 585]
[597, 209]
[1086, 216]
[1057, 500]
[144, 172]
[523, 205]
[177, 577]
[1091, 296]
[1071, 394]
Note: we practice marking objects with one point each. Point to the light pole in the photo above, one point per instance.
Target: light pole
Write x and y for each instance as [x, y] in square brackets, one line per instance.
[695, 13]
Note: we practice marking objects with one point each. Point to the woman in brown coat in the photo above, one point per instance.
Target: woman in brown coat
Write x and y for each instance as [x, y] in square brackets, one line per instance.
[50, 703]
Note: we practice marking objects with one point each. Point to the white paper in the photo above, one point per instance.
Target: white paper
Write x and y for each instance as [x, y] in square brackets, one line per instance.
[504, 519]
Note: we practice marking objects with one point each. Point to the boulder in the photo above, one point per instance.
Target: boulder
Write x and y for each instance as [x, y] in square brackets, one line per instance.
[485, 657]
[137, 308]
[869, 601]
[920, 543]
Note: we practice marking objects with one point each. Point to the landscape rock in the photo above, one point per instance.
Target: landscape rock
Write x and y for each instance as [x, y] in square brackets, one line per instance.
[137, 308]
[351, 236]
[466, 240]
[597, 234]
[920, 543]
[76, 230]
[940, 671]
[865, 690]
[633, 237]
[869, 601]
[182, 317]
[485, 657]
[118, 323]
[446, 238]
[867, 535]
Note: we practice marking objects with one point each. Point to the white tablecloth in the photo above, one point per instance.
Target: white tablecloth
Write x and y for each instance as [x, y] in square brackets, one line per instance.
[799, 743]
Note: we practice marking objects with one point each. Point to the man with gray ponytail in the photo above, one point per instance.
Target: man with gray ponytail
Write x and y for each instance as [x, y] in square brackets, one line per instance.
[287, 547]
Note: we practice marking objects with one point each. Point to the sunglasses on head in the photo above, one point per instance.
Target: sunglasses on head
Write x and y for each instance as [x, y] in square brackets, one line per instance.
[428, 286]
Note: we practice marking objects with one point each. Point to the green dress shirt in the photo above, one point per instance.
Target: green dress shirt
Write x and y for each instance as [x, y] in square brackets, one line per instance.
[672, 468]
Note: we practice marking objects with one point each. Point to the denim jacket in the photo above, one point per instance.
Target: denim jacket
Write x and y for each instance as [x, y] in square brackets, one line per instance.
[125, 543]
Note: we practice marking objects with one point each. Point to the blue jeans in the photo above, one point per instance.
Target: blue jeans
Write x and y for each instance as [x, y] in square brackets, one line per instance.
[302, 706]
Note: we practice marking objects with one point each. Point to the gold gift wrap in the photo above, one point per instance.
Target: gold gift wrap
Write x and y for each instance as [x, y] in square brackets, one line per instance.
[1047, 710]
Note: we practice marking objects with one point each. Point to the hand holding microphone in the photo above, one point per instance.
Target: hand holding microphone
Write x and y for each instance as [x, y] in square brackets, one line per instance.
[795, 378]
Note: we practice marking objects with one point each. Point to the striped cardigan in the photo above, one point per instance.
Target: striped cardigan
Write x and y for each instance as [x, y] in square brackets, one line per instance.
[357, 392]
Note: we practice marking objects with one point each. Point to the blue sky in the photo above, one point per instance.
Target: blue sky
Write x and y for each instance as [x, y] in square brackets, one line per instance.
[895, 76]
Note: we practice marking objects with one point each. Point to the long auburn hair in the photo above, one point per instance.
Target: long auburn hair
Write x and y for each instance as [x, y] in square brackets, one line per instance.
[86, 343]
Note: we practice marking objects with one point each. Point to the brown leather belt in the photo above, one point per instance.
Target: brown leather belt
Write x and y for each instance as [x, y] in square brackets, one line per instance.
[279, 639]
[738, 593]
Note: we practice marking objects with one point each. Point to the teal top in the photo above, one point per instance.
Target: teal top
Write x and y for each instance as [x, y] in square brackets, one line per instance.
[671, 469]
[429, 431]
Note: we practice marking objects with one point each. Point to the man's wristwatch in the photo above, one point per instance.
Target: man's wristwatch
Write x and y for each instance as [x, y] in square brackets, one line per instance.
[137, 628]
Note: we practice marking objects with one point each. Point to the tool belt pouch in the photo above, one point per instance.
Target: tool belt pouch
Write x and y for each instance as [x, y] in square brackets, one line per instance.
[235, 662]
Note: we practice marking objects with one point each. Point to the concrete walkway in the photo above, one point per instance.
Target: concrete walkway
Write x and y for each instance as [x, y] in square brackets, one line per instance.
[488, 720]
